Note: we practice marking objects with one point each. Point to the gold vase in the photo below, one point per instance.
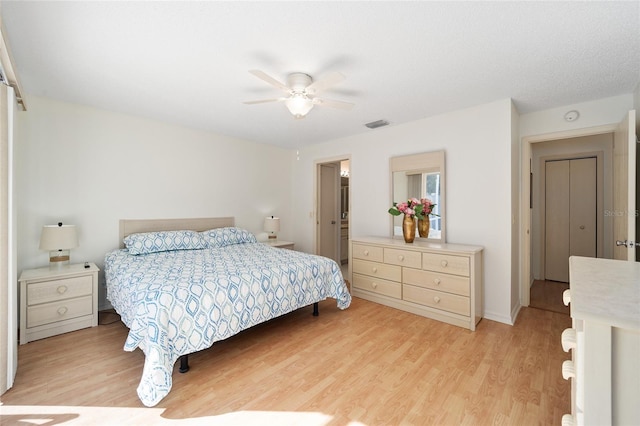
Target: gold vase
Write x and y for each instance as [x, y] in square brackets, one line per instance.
[423, 227]
[408, 228]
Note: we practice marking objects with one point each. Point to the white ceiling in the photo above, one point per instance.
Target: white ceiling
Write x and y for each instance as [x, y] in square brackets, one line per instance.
[187, 62]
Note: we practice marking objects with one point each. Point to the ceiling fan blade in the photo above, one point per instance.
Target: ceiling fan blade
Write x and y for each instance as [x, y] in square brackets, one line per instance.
[262, 101]
[324, 83]
[333, 103]
[267, 78]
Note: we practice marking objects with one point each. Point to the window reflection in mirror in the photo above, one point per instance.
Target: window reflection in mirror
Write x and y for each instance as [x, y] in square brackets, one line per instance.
[420, 176]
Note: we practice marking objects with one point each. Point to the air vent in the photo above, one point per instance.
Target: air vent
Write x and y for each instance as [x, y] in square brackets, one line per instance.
[376, 124]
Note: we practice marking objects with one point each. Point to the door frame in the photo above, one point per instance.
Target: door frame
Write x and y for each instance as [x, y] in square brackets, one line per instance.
[526, 277]
[317, 206]
[540, 203]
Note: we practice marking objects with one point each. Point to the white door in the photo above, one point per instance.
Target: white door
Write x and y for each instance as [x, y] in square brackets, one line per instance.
[570, 214]
[328, 224]
[624, 189]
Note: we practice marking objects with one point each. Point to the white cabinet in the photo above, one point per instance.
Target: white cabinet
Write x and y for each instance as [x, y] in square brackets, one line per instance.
[57, 300]
[604, 341]
[438, 281]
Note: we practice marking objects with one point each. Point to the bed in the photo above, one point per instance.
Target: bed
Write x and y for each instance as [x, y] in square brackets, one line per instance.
[181, 285]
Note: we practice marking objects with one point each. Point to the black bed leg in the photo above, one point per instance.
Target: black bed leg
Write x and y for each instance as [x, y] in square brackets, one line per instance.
[315, 309]
[184, 363]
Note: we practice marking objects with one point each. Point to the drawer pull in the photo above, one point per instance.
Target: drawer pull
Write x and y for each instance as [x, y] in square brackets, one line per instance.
[568, 370]
[566, 297]
[62, 289]
[400, 258]
[366, 252]
[436, 299]
[374, 269]
[436, 281]
[62, 310]
[568, 339]
[374, 285]
[567, 420]
[443, 263]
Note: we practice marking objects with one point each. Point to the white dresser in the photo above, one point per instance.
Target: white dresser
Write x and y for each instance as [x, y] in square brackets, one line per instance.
[438, 281]
[604, 341]
[57, 300]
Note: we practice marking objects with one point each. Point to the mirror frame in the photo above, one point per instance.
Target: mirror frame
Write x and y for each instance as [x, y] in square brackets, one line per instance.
[426, 161]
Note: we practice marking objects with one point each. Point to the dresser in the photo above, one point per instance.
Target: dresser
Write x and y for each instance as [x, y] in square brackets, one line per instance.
[438, 281]
[55, 300]
[604, 342]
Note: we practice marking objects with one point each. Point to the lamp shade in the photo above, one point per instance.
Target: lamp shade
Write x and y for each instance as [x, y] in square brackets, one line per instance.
[58, 237]
[271, 225]
[299, 105]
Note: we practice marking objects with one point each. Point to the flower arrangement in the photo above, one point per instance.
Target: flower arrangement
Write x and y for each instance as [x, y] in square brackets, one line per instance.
[413, 208]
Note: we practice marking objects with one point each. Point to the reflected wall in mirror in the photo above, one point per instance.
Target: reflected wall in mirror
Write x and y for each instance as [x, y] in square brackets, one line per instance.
[420, 176]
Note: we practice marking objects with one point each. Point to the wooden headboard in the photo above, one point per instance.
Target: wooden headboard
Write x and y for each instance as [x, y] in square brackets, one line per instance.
[133, 226]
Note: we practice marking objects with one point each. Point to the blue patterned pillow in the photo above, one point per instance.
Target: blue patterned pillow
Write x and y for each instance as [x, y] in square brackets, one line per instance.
[153, 242]
[221, 237]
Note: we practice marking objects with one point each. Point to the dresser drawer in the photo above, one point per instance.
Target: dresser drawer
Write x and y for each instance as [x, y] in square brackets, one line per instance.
[375, 285]
[446, 263]
[437, 299]
[378, 270]
[67, 288]
[412, 259]
[365, 252]
[435, 281]
[47, 313]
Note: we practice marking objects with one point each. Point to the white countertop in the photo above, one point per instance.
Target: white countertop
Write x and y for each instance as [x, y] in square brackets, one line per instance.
[605, 290]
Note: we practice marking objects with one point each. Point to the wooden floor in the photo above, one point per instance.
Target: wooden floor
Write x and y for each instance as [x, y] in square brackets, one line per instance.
[368, 365]
[547, 295]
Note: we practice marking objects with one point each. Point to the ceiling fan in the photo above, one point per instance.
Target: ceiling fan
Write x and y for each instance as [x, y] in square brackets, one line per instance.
[301, 92]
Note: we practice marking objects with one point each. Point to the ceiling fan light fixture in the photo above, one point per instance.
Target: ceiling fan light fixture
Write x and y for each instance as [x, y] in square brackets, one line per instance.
[299, 105]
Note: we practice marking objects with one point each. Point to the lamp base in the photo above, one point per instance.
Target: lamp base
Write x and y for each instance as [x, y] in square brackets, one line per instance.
[58, 258]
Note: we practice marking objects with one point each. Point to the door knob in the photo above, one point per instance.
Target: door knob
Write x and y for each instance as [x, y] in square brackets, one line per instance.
[581, 226]
[628, 244]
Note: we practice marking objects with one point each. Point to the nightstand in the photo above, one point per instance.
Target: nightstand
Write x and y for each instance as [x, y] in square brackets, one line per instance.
[280, 244]
[56, 300]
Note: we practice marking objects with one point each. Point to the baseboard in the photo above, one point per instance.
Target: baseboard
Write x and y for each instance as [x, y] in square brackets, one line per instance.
[497, 317]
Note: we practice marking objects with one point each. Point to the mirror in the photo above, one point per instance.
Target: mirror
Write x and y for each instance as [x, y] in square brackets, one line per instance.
[420, 176]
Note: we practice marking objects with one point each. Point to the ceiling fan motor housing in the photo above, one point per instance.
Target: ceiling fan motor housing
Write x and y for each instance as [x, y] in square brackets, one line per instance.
[298, 82]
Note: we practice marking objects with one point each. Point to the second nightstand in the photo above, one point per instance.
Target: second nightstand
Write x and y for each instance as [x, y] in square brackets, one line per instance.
[280, 244]
[57, 300]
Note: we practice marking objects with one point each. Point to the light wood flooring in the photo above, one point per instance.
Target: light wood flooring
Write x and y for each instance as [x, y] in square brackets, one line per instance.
[368, 365]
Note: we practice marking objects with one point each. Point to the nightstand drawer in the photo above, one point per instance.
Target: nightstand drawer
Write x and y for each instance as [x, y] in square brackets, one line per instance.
[57, 311]
[367, 252]
[375, 285]
[446, 263]
[67, 288]
[433, 280]
[378, 270]
[437, 299]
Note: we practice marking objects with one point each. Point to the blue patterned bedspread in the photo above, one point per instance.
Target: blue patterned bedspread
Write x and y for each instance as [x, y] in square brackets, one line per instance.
[179, 302]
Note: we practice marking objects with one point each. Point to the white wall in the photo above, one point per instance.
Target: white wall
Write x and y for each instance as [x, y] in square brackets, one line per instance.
[91, 167]
[477, 142]
[594, 113]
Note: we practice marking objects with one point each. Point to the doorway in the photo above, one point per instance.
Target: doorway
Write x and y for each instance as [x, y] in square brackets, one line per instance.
[568, 203]
[332, 211]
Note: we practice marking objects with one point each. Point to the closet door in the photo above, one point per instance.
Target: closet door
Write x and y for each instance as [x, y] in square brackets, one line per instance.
[570, 214]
